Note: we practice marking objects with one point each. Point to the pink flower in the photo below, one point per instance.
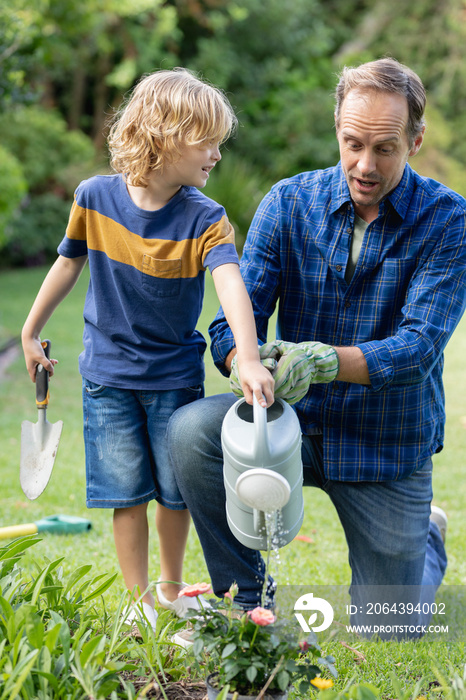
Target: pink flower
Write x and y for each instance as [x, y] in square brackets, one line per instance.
[261, 616]
[304, 646]
[195, 590]
[228, 595]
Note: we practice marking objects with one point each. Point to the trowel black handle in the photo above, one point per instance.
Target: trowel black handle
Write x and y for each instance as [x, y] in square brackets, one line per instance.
[42, 379]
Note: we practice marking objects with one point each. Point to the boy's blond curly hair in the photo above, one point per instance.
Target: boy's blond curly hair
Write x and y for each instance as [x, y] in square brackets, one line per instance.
[166, 111]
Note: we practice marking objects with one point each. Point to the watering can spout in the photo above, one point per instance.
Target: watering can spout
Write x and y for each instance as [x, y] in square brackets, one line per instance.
[263, 489]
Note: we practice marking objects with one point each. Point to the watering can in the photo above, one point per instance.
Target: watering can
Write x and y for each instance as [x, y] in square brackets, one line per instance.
[263, 473]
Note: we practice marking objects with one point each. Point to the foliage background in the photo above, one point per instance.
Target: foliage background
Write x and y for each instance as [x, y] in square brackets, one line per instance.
[65, 66]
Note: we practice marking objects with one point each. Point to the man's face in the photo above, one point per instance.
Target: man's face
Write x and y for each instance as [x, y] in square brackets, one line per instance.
[374, 146]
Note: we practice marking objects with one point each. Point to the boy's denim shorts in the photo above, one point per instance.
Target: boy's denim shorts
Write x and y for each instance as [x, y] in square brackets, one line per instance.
[127, 459]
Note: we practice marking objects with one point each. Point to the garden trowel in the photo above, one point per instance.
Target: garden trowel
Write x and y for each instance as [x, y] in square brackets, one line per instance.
[39, 441]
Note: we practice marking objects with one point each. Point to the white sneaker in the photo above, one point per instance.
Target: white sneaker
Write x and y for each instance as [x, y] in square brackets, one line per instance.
[182, 605]
[184, 638]
[146, 614]
[439, 517]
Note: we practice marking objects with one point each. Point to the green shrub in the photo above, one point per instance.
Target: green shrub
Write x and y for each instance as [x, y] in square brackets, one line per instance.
[35, 231]
[237, 186]
[57, 640]
[46, 629]
[12, 188]
[42, 143]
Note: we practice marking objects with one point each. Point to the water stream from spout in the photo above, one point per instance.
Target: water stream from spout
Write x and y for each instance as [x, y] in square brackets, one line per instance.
[274, 533]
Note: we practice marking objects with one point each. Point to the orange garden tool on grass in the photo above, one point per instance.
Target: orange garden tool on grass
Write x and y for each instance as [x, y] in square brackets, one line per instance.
[39, 441]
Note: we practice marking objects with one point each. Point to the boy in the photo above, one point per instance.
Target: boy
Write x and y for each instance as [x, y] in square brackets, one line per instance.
[148, 234]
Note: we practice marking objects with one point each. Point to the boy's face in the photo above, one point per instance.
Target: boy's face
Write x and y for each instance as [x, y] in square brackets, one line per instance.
[193, 166]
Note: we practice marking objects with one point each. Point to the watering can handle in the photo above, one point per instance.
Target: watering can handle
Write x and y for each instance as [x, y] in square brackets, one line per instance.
[261, 439]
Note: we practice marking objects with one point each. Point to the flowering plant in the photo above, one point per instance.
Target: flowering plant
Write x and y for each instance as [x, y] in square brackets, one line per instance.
[251, 651]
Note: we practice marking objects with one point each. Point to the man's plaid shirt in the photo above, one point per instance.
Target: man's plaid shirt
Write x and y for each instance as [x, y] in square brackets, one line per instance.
[406, 296]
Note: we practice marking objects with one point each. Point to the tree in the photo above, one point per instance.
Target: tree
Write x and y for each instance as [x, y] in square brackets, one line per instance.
[429, 36]
[20, 32]
[273, 58]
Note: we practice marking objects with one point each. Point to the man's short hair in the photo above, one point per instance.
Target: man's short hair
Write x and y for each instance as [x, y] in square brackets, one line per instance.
[386, 75]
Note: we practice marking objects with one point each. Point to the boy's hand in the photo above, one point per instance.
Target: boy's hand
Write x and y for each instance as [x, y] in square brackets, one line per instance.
[250, 379]
[34, 355]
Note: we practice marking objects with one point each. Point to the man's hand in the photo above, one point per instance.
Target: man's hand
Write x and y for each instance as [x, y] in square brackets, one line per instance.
[294, 367]
[326, 361]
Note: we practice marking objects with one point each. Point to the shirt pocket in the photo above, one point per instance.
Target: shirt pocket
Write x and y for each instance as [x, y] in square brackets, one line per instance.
[397, 269]
[161, 278]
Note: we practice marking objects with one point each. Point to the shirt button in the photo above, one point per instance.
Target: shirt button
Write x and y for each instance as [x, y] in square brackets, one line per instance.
[347, 304]
[338, 268]
[349, 230]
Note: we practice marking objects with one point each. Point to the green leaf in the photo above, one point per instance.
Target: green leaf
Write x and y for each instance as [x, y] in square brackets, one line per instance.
[51, 637]
[107, 686]
[35, 631]
[304, 687]
[363, 692]
[18, 547]
[37, 588]
[94, 645]
[231, 670]
[251, 673]
[283, 680]
[64, 637]
[18, 644]
[223, 695]
[6, 608]
[76, 576]
[22, 669]
[198, 648]
[228, 650]
[102, 588]
[49, 677]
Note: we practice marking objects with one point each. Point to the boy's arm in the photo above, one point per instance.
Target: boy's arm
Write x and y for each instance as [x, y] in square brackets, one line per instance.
[59, 281]
[232, 294]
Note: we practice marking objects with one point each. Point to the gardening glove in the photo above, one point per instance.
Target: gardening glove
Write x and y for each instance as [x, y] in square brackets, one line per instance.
[294, 366]
[290, 366]
[325, 358]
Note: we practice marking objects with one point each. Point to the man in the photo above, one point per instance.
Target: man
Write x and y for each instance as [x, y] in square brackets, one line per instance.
[369, 259]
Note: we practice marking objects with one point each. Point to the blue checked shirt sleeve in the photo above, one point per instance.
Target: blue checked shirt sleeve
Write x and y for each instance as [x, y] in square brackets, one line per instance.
[435, 302]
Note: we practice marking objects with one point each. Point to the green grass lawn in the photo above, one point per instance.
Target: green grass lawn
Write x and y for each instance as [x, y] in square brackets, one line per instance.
[321, 562]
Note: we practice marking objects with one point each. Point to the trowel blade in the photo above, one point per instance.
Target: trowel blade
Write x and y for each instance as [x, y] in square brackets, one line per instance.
[39, 445]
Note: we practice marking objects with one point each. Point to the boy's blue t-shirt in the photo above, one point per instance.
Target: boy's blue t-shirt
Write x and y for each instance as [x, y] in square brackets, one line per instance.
[146, 287]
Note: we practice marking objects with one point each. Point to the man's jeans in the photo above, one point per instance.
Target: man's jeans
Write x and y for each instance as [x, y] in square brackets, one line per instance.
[394, 549]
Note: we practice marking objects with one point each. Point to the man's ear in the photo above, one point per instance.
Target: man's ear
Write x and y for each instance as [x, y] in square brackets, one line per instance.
[417, 142]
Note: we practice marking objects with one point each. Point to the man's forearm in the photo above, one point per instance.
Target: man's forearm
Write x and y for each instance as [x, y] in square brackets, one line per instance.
[353, 366]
